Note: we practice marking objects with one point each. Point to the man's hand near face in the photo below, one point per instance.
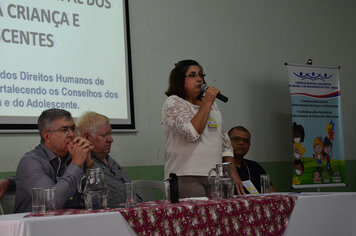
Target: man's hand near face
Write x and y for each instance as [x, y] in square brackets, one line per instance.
[80, 149]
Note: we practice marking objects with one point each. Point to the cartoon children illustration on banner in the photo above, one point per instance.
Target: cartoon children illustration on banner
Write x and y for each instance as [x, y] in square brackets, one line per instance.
[298, 139]
[328, 146]
[319, 165]
[298, 150]
[318, 152]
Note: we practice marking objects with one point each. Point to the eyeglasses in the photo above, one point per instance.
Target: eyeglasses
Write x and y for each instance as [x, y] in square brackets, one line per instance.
[238, 139]
[64, 129]
[194, 75]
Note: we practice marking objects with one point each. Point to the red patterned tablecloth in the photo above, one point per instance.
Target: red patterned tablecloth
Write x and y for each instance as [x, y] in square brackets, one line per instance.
[242, 215]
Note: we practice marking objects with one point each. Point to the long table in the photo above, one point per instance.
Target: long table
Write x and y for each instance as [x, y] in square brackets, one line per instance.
[323, 214]
[242, 215]
[100, 224]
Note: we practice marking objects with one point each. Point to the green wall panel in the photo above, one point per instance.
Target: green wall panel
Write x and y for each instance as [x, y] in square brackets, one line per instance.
[6, 174]
[145, 172]
[281, 177]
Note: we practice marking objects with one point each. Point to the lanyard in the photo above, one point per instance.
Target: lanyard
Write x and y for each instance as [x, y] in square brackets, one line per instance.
[248, 170]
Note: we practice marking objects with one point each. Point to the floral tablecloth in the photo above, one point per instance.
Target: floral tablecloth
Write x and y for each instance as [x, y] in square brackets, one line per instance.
[242, 215]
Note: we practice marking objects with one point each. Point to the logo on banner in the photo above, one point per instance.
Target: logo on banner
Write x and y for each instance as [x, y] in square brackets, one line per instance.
[313, 76]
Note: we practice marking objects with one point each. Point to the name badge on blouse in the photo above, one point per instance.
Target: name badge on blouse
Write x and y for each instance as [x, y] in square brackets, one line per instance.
[250, 187]
[212, 122]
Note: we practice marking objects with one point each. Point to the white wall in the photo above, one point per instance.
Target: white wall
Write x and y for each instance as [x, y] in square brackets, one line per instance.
[242, 46]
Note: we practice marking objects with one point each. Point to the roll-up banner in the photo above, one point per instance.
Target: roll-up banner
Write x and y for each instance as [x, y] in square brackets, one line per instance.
[318, 146]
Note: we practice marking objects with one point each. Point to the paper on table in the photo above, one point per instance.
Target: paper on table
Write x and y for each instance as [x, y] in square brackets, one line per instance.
[250, 187]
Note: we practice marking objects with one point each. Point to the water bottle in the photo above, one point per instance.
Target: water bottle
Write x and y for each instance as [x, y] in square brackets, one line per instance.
[173, 184]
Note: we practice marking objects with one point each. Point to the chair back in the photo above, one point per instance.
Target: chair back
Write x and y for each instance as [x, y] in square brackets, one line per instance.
[7, 203]
[149, 190]
[1, 210]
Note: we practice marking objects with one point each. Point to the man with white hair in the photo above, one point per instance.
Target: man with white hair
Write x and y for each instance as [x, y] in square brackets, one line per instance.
[97, 129]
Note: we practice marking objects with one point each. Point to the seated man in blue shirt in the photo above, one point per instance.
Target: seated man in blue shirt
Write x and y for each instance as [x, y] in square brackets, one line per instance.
[248, 170]
[56, 162]
[96, 128]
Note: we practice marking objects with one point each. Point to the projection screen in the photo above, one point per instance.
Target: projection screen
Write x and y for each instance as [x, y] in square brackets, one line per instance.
[68, 54]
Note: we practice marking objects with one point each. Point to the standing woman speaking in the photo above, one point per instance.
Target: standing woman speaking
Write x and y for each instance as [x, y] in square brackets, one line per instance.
[195, 136]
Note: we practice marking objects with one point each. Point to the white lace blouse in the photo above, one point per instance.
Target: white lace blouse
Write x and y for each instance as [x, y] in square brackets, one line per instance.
[187, 152]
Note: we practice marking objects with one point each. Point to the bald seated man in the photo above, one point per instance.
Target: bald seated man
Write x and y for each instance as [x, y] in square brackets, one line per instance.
[248, 170]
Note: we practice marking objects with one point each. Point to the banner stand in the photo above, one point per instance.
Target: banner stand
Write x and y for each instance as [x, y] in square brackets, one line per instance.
[317, 134]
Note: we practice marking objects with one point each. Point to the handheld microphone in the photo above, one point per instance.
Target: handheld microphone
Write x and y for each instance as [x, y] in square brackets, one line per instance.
[221, 97]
